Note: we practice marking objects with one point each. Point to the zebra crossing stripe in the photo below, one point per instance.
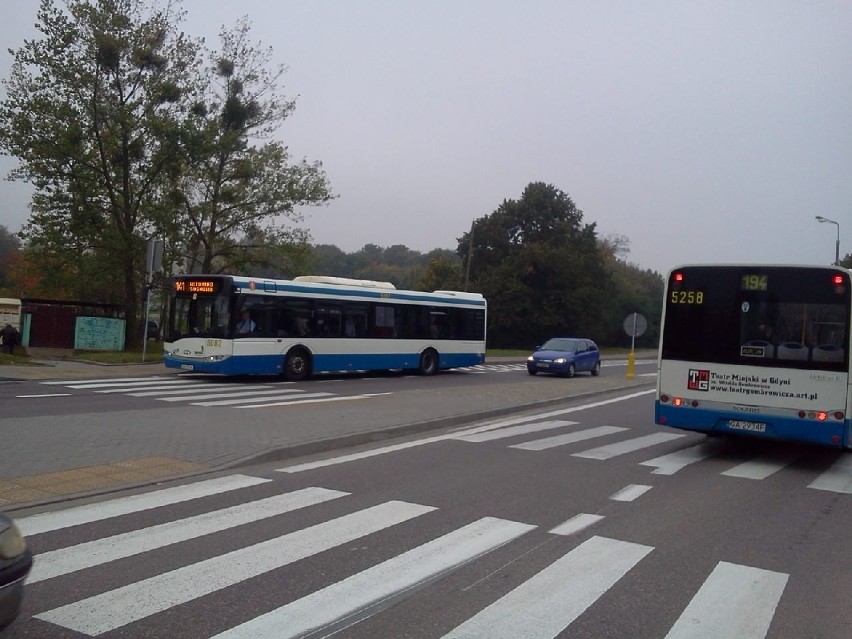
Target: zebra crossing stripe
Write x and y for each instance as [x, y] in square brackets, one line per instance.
[300, 400]
[568, 438]
[838, 478]
[147, 387]
[297, 468]
[763, 467]
[673, 462]
[236, 392]
[194, 388]
[630, 493]
[282, 395]
[523, 429]
[546, 604]
[67, 382]
[627, 446]
[107, 386]
[46, 522]
[576, 524]
[113, 609]
[369, 588]
[100, 551]
[734, 601]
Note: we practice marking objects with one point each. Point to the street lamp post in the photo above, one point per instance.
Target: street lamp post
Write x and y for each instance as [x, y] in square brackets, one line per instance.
[820, 218]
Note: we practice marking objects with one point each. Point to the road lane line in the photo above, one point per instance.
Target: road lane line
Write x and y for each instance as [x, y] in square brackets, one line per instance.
[735, 601]
[283, 394]
[512, 431]
[187, 390]
[228, 392]
[116, 608]
[627, 446]
[100, 551]
[299, 400]
[371, 587]
[45, 522]
[546, 604]
[568, 438]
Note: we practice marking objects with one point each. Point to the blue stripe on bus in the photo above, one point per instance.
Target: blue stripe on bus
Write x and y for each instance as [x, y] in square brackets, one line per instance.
[777, 427]
[378, 294]
[273, 364]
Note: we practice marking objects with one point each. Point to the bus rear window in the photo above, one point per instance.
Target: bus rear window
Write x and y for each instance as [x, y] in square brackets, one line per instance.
[770, 316]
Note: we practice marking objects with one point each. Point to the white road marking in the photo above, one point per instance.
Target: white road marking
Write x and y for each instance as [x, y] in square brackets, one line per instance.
[43, 395]
[576, 524]
[372, 586]
[568, 438]
[194, 388]
[631, 492]
[342, 459]
[512, 431]
[283, 394]
[105, 379]
[116, 608]
[735, 601]
[100, 551]
[673, 462]
[763, 467]
[299, 400]
[546, 604]
[45, 522]
[627, 446]
[838, 478]
[238, 392]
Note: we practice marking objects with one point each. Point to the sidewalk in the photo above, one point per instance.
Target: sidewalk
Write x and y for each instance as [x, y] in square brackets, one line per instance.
[96, 453]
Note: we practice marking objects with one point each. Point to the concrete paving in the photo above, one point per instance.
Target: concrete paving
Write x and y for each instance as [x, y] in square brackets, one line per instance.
[65, 473]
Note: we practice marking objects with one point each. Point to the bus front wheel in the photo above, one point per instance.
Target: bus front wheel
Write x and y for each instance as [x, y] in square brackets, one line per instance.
[297, 366]
[429, 362]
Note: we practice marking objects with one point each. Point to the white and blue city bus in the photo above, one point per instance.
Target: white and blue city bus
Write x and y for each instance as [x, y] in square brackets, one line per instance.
[237, 325]
[757, 350]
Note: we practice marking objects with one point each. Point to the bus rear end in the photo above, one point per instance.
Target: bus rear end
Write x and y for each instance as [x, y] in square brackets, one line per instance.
[761, 351]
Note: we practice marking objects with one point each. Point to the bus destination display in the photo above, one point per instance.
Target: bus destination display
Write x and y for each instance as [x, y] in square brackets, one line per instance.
[196, 286]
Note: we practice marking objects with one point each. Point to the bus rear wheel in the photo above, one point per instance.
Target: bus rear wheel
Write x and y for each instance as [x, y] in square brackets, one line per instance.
[297, 365]
[429, 362]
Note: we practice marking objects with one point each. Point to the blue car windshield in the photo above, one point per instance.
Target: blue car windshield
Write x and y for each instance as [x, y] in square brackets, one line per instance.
[560, 344]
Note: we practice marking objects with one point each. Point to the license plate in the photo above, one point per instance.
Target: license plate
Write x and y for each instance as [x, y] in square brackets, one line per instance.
[757, 427]
[187, 367]
[544, 365]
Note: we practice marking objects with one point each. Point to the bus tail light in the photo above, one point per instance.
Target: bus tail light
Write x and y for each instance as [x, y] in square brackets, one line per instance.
[821, 415]
[664, 399]
[839, 415]
[677, 401]
[694, 403]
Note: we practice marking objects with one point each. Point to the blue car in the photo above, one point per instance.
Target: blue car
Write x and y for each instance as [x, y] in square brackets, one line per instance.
[565, 356]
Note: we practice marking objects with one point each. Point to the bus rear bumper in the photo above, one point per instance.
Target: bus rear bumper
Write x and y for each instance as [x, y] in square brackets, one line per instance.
[829, 432]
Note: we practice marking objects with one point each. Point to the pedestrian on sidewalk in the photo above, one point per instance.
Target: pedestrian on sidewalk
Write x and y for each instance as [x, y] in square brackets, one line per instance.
[10, 337]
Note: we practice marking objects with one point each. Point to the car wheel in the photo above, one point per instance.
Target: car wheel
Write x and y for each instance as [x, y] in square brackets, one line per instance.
[429, 362]
[571, 370]
[297, 365]
[596, 369]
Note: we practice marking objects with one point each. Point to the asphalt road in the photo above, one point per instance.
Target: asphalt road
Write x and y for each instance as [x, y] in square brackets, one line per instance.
[580, 519]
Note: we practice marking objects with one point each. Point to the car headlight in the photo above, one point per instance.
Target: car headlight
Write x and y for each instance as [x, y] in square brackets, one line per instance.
[560, 360]
[530, 358]
[12, 543]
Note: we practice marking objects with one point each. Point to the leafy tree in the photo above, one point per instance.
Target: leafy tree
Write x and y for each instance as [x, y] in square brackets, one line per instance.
[91, 113]
[539, 267]
[232, 194]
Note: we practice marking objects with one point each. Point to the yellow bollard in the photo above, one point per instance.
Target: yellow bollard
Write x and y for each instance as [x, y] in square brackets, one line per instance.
[631, 365]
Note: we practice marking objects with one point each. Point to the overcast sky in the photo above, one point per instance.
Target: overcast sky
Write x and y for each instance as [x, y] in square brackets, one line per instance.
[701, 131]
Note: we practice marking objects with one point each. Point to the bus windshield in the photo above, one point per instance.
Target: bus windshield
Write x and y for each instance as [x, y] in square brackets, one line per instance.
[197, 316]
[782, 317]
